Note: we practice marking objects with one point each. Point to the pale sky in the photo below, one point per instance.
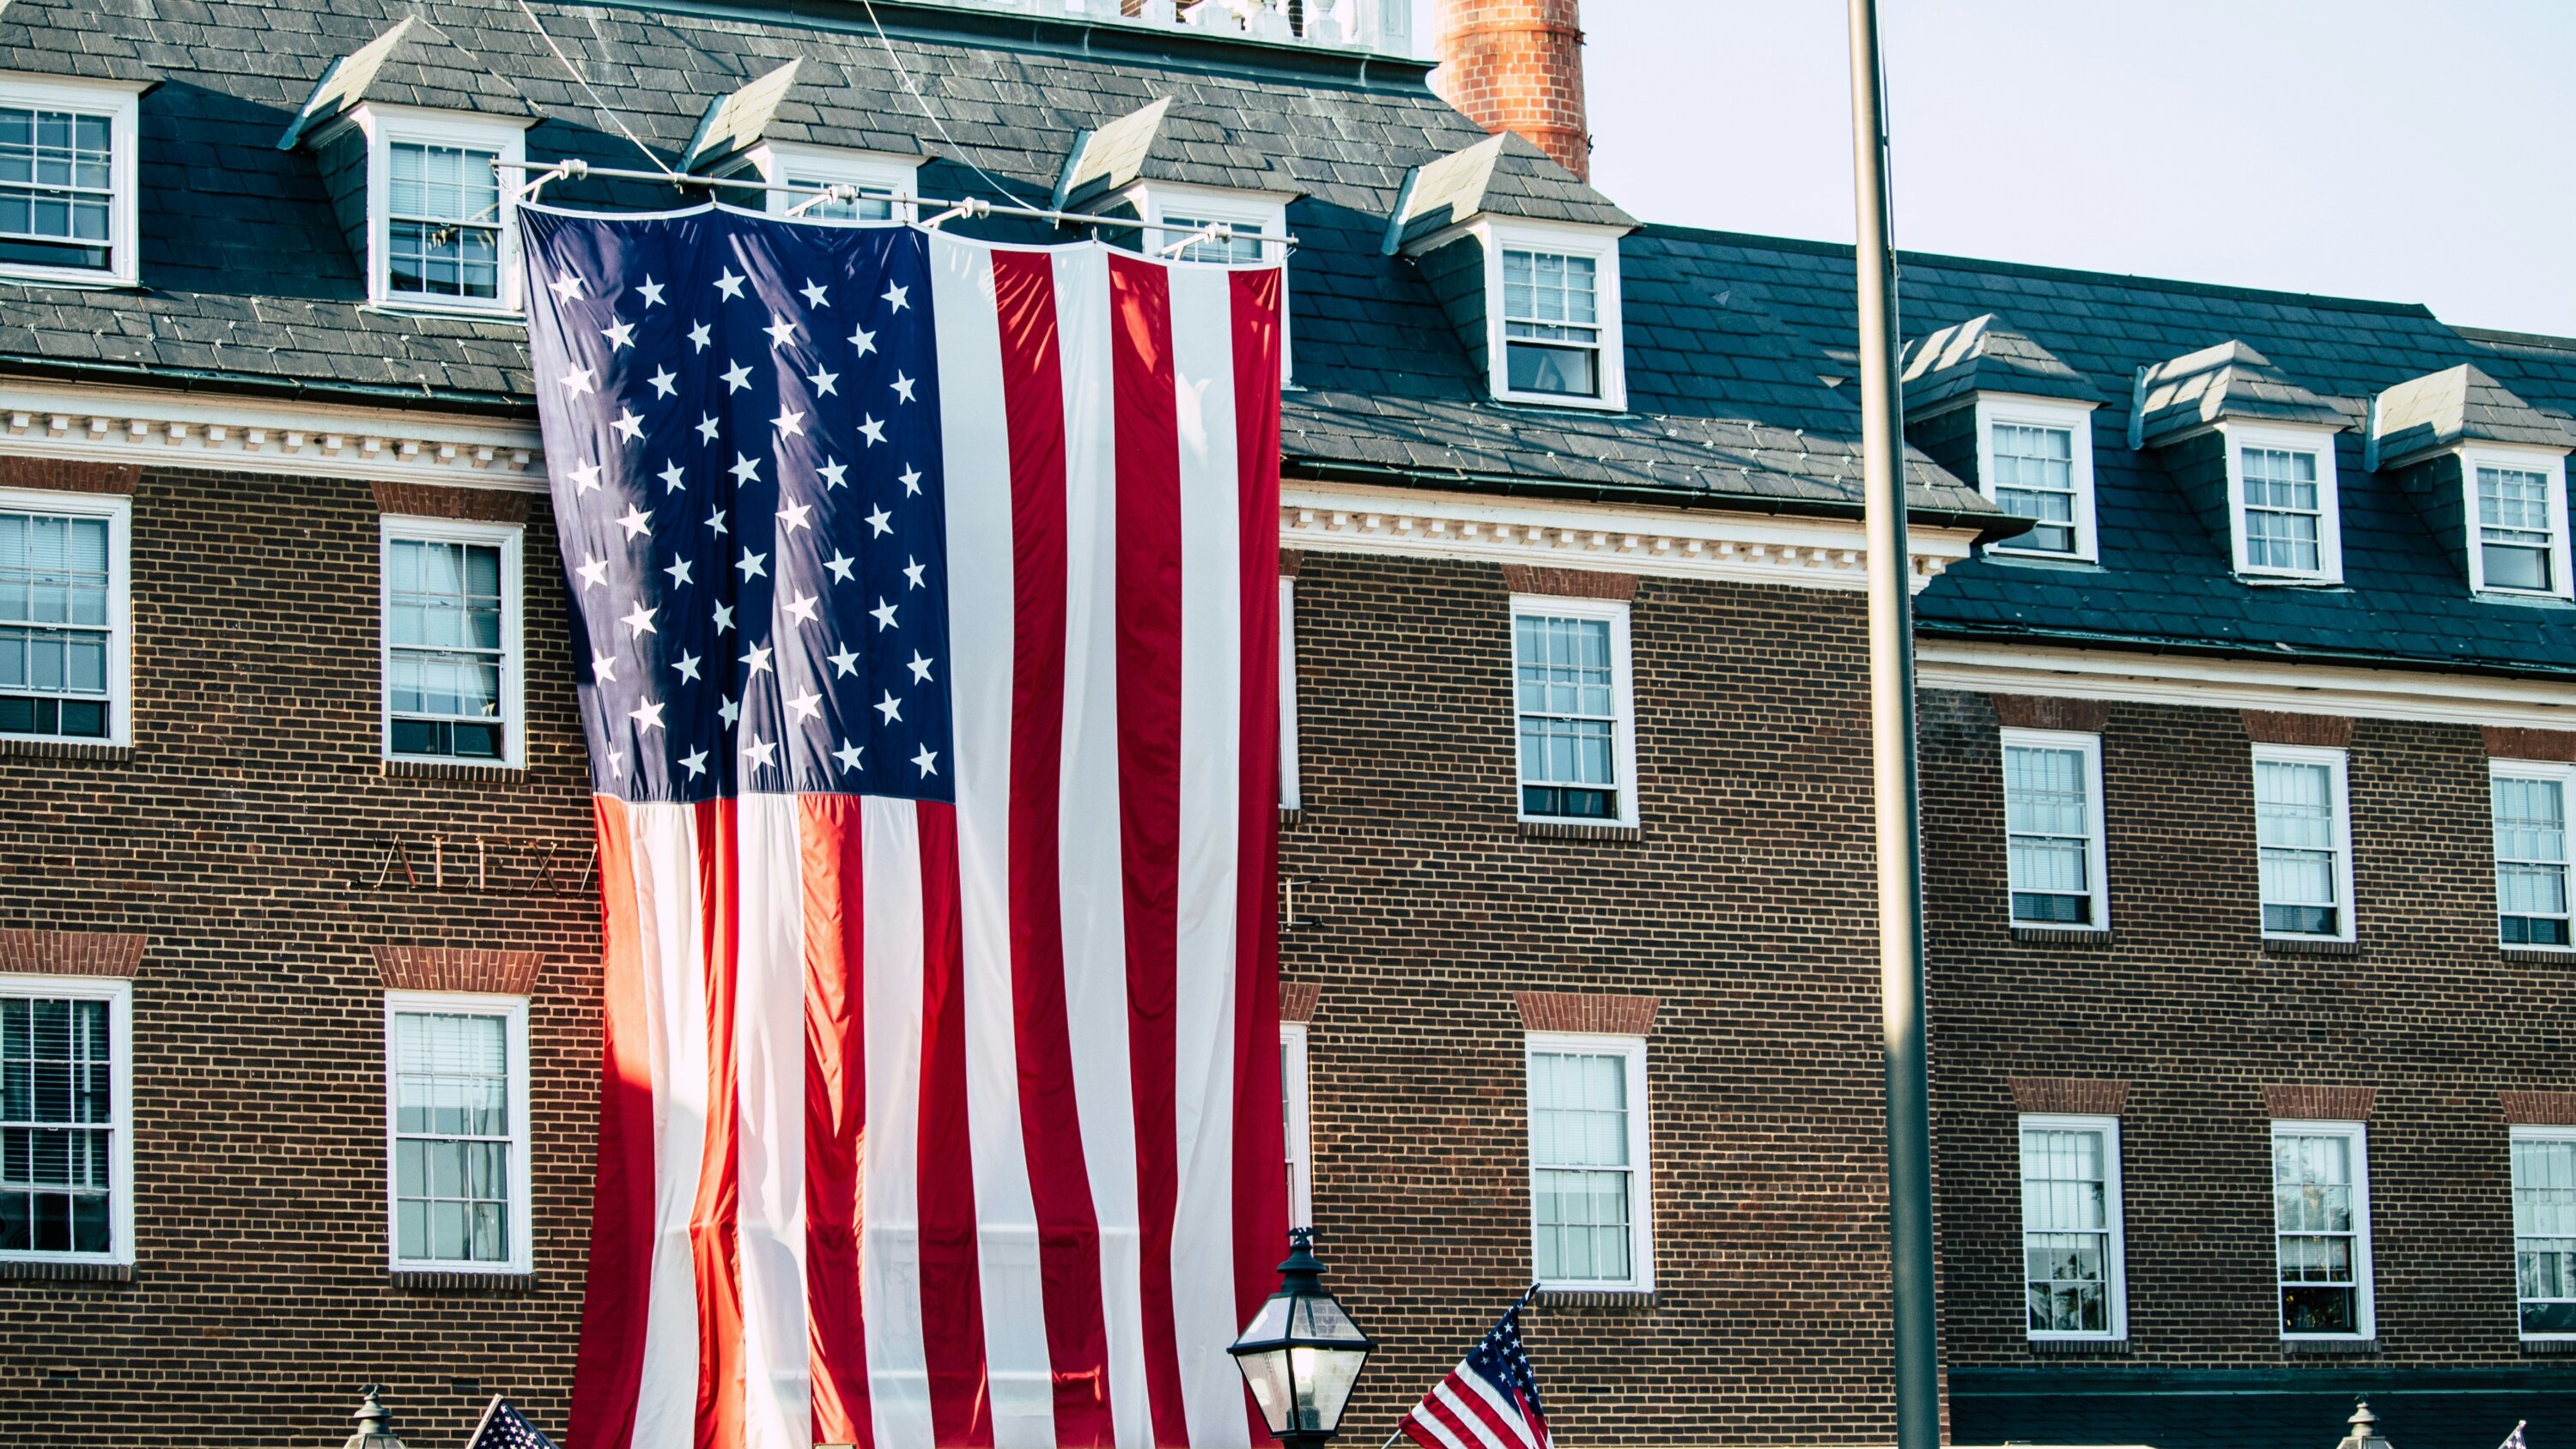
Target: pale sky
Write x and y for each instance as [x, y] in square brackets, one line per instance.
[2392, 149]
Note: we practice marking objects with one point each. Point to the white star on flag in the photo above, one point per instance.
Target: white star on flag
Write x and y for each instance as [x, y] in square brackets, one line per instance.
[864, 340]
[729, 711]
[746, 469]
[872, 430]
[567, 286]
[639, 620]
[673, 480]
[831, 473]
[695, 762]
[808, 705]
[823, 381]
[757, 661]
[585, 477]
[603, 667]
[890, 707]
[630, 425]
[789, 422]
[679, 572]
[839, 563]
[699, 337]
[883, 613]
[793, 515]
[813, 295]
[666, 383]
[730, 284]
[647, 715]
[687, 664]
[581, 379]
[752, 565]
[715, 521]
[724, 618]
[651, 291]
[848, 754]
[928, 760]
[912, 570]
[903, 387]
[594, 573]
[881, 521]
[801, 608]
[637, 522]
[619, 334]
[910, 478]
[736, 378]
[756, 751]
[920, 668]
[781, 331]
[895, 295]
[707, 428]
[845, 663]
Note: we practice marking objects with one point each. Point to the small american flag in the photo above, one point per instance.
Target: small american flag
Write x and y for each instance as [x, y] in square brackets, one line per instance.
[504, 1427]
[1488, 1402]
[2514, 1439]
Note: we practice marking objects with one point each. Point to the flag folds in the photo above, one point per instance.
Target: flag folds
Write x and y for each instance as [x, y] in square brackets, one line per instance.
[924, 594]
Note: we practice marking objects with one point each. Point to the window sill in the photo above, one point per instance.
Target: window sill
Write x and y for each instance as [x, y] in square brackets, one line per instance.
[2541, 955]
[2296, 1347]
[428, 1280]
[408, 310]
[1553, 400]
[2291, 946]
[2544, 1347]
[452, 770]
[72, 280]
[60, 749]
[1634, 1299]
[2059, 936]
[28, 1268]
[2053, 1347]
[1579, 830]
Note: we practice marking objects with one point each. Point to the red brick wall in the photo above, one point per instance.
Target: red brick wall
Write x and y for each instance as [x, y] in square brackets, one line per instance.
[1517, 65]
[2212, 1034]
[248, 835]
[1741, 907]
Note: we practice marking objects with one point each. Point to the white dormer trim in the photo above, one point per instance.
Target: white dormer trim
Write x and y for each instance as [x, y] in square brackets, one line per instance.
[875, 172]
[1601, 244]
[385, 125]
[2238, 436]
[2548, 462]
[1248, 212]
[2076, 418]
[120, 102]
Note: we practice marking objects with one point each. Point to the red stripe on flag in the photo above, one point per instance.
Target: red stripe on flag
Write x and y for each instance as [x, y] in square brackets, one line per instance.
[1415, 1430]
[1438, 1409]
[1506, 1432]
[1149, 768]
[608, 1372]
[836, 1110]
[714, 1229]
[1059, 1177]
[1260, 1157]
[952, 1293]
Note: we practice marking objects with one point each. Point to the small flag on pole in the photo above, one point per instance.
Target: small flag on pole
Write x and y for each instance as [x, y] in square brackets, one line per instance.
[504, 1427]
[2514, 1439]
[1488, 1402]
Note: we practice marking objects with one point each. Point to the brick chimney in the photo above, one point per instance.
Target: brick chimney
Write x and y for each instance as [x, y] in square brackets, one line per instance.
[1517, 65]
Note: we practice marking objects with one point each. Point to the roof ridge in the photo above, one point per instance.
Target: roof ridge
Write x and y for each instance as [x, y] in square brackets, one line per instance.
[2073, 274]
[2518, 339]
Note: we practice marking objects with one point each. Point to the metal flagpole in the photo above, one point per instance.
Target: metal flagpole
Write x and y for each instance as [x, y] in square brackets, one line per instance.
[1891, 708]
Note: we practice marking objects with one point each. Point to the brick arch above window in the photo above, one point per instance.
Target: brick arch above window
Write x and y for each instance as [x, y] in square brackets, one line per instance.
[2279, 727]
[2071, 1096]
[1568, 583]
[71, 953]
[2049, 712]
[441, 500]
[1587, 1012]
[2506, 742]
[2538, 1109]
[2292, 1102]
[1298, 1000]
[450, 968]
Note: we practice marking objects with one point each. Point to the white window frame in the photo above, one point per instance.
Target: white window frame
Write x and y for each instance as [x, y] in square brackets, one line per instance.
[2073, 418]
[383, 126]
[1641, 1195]
[1265, 212]
[1296, 1088]
[1623, 731]
[121, 103]
[2318, 441]
[1601, 245]
[514, 654]
[2365, 1315]
[118, 510]
[2116, 1249]
[2553, 466]
[2531, 1133]
[118, 993]
[871, 171]
[2097, 850]
[1291, 788]
[2348, 912]
[513, 1010]
[2565, 775]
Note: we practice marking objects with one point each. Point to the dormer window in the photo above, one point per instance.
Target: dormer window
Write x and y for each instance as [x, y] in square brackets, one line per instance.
[2038, 464]
[2489, 472]
[1553, 299]
[879, 179]
[443, 222]
[2281, 495]
[67, 188]
[2517, 514]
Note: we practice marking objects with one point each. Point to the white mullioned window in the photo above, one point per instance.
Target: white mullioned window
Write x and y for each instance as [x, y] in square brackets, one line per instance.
[2303, 839]
[2517, 516]
[66, 1119]
[2036, 462]
[2530, 805]
[2544, 1230]
[2286, 522]
[1590, 1197]
[1576, 718]
[452, 641]
[65, 616]
[2053, 829]
[1291, 789]
[1553, 331]
[1296, 1106]
[818, 168]
[2072, 1254]
[67, 179]
[441, 238]
[456, 1131]
[2321, 1227]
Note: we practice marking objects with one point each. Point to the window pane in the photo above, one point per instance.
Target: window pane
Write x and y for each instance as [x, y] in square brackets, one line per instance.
[1566, 689]
[2295, 829]
[56, 187]
[865, 208]
[2035, 478]
[56, 1125]
[2066, 1242]
[2048, 818]
[2315, 1214]
[2282, 513]
[2514, 531]
[1580, 1168]
[452, 1126]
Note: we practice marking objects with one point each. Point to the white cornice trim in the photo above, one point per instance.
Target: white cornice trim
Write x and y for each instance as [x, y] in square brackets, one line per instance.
[195, 430]
[1616, 538]
[2136, 678]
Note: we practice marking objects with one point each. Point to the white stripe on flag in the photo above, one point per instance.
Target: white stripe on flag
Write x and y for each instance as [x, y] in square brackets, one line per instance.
[769, 1039]
[975, 437]
[890, 1251]
[1202, 314]
[1436, 1429]
[1509, 1412]
[1088, 833]
[672, 961]
[1447, 1392]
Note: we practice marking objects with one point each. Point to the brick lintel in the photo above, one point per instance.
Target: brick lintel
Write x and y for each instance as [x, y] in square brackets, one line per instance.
[1583, 1011]
[2291, 1102]
[2074, 1096]
[2539, 1109]
[2049, 712]
[2505, 742]
[449, 968]
[2278, 727]
[71, 953]
[1568, 583]
[64, 475]
[1298, 999]
[444, 500]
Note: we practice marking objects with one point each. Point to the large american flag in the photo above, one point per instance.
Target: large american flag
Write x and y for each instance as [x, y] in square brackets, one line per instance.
[925, 592]
[1490, 1401]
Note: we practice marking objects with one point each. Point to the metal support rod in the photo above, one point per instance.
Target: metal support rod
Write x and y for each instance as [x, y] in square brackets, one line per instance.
[1891, 711]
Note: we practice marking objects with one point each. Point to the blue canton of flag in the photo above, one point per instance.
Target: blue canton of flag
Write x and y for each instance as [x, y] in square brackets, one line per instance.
[1490, 1401]
[742, 424]
[503, 1427]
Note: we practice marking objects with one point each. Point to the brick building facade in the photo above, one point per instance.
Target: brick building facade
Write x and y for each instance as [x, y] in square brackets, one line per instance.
[1551, 476]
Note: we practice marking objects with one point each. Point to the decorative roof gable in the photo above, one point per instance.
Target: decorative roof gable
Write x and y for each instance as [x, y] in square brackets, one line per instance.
[2230, 380]
[1501, 175]
[1163, 142]
[738, 120]
[2456, 405]
[413, 64]
[1984, 354]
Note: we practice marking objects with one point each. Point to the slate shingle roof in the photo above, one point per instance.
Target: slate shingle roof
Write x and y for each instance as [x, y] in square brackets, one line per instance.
[2459, 404]
[1738, 347]
[1985, 354]
[2227, 380]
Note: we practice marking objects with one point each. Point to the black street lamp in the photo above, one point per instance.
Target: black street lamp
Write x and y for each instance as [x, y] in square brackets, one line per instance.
[1301, 1353]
